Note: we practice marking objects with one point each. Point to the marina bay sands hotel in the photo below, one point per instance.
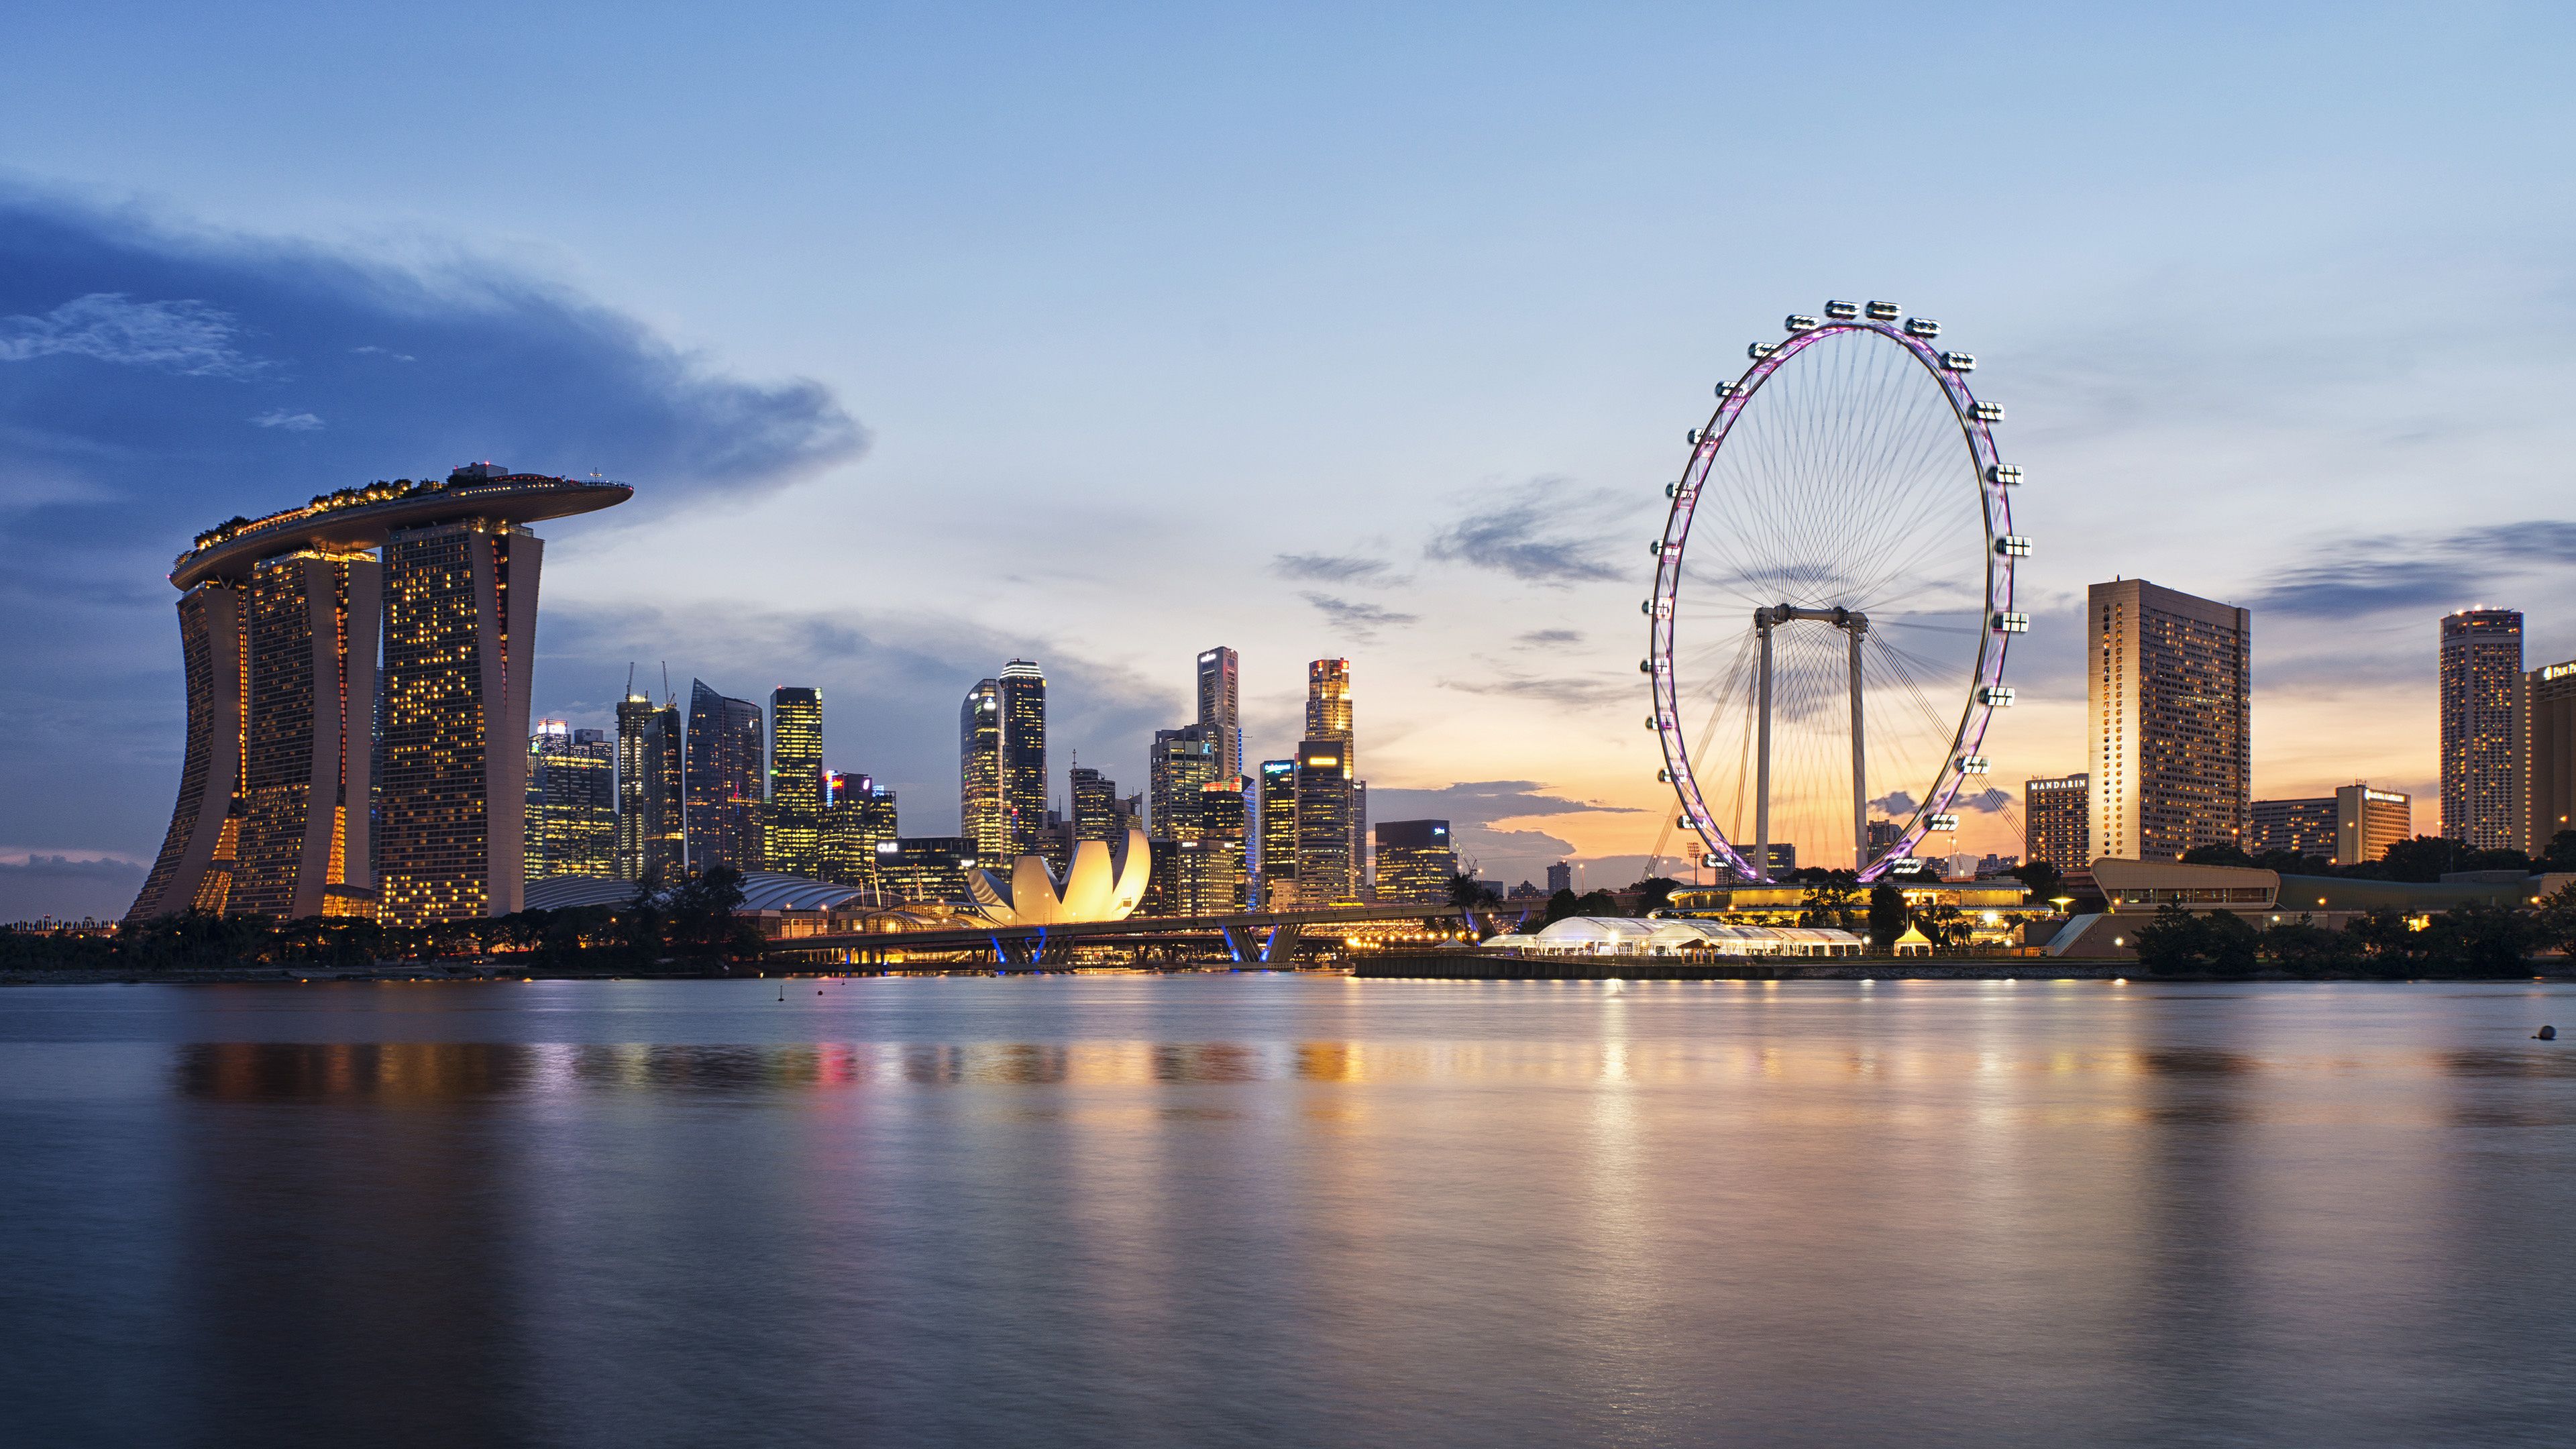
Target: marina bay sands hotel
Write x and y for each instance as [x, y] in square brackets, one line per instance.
[304, 741]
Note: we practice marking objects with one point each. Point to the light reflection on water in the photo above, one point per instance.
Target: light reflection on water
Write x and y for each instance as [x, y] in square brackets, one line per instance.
[1277, 1210]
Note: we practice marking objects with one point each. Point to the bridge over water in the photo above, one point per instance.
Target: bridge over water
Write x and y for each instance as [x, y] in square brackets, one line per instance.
[1256, 937]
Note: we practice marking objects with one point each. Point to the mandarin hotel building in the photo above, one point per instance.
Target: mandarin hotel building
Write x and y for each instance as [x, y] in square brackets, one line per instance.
[358, 676]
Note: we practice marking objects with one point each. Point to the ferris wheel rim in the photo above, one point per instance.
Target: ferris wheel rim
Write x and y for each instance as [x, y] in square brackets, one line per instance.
[1985, 688]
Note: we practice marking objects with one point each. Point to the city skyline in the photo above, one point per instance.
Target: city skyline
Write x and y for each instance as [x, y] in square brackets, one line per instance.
[1485, 413]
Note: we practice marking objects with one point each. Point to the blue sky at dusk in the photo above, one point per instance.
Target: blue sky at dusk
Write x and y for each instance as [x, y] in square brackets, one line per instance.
[1099, 335]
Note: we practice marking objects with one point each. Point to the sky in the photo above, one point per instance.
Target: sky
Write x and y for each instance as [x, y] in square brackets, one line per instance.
[930, 336]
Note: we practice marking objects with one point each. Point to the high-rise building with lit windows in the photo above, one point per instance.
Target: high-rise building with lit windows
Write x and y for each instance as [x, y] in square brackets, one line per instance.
[1024, 766]
[1182, 761]
[2484, 805]
[1221, 706]
[2549, 753]
[983, 814]
[723, 771]
[1207, 871]
[1415, 861]
[279, 629]
[1274, 795]
[2169, 721]
[1324, 863]
[792, 839]
[2057, 822]
[195, 866]
[572, 802]
[1328, 699]
[1096, 815]
[651, 801]
[857, 819]
[311, 633]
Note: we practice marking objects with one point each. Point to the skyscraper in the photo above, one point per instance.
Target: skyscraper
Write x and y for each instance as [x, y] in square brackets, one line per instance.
[1221, 707]
[308, 746]
[2483, 803]
[279, 622]
[2170, 688]
[1560, 877]
[572, 802]
[1024, 766]
[1324, 874]
[2057, 816]
[460, 637]
[1363, 872]
[1415, 862]
[195, 866]
[1208, 868]
[651, 804]
[1328, 699]
[1275, 823]
[1096, 815]
[857, 819]
[793, 838]
[983, 815]
[2549, 755]
[1183, 760]
[723, 773]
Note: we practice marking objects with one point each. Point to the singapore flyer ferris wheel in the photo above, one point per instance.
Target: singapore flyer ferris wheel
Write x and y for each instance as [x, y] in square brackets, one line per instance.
[1834, 598]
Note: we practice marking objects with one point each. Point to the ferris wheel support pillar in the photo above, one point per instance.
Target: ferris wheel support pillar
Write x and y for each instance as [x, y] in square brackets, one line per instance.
[1762, 753]
[1860, 763]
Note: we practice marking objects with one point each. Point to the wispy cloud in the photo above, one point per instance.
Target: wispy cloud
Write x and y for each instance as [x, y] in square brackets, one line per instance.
[1542, 533]
[1331, 569]
[1356, 620]
[1900, 804]
[1551, 639]
[2387, 573]
[67, 887]
[190, 338]
[1565, 689]
[292, 422]
[1481, 802]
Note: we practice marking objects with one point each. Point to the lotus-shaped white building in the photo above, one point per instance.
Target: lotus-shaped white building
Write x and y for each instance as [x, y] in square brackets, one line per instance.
[1102, 885]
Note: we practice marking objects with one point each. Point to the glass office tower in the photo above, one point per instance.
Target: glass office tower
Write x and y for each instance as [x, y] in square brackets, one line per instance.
[793, 841]
[723, 774]
[983, 816]
[1024, 767]
[572, 802]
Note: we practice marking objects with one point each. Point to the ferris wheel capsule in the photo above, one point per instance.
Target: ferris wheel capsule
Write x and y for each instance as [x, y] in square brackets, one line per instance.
[1922, 327]
[1959, 361]
[1989, 412]
[1841, 311]
[1761, 350]
[1885, 311]
[1797, 323]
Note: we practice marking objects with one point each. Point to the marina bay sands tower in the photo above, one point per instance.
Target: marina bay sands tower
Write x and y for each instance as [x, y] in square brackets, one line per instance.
[326, 776]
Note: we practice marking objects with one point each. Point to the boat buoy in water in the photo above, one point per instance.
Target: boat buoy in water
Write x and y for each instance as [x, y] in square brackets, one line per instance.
[2546, 1033]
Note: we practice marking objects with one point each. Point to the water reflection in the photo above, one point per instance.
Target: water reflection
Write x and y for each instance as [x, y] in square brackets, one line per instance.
[1227, 1212]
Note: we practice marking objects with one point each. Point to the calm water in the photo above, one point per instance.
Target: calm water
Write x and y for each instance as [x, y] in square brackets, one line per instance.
[1273, 1210]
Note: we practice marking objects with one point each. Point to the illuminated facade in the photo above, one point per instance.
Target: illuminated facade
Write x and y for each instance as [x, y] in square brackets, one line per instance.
[1096, 815]
[2368, 821]
[1274, 828]
[2169, 694]
[723, 771]
[572, 802]
[1183, 761]
[1415, 862]
[1324, 865]
[280, 619]
[460, 631]
[1221, 706]
[858, 818]
[2057, 820]
[2301, 827]
[1208, 875]
[1328, 699]
[982, 815]
[2483, 805]
[925, 868]
[793, 838]
[651, 803]
[1024, 767]
[2549, 755]
[195, 866]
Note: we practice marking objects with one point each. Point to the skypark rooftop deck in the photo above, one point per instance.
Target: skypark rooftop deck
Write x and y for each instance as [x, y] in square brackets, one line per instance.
[364, 523]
